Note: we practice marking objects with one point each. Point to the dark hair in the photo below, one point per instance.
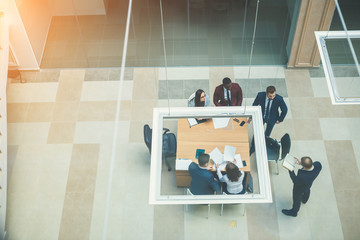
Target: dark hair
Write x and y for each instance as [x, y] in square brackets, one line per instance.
[197, 97]
[233, 172]
[306, 162]
[203, 159]
[270, 89]
[226, 81]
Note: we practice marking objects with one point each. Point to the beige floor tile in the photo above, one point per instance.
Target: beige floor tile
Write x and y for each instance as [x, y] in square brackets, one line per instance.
[35, 133]
[102, 91]
[298, 83]
[303, 108]
[32, 92]
[125, 110]
[287, 126]
[142, 109]
[137, 130]
[17, 112]
[70, 85]
[327, 110]
[91, 111]
[61, 133]
[145, 83]
[352, 110]
[40, 112]
[76, 216]
[356, 147]
[65, 111]
[348, 177]
[307, 129]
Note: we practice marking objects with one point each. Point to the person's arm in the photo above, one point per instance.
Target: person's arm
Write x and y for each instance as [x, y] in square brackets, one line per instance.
[216, 97]
[221, 177]
[284, 110]
[256, 101]
[292, 176]
[240, 96]
[214, 185]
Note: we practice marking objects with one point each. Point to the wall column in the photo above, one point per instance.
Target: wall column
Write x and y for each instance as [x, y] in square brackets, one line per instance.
[314, 15]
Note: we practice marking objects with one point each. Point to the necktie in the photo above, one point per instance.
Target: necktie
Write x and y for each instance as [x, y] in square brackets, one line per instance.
[228, 97]
[267, 111]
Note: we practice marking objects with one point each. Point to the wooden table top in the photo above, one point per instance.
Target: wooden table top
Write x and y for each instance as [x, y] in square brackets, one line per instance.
[204, 136]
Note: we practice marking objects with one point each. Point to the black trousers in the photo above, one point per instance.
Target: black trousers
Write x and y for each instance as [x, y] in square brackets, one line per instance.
[298, 197]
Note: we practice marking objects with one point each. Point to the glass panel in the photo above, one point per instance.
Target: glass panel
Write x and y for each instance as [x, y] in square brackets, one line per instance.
[344, 69]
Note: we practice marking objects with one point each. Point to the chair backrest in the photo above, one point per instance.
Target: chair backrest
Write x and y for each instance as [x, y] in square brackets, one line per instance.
[169, 144]
[147, 136]
[192, 96]
[272, 148]
[285, 145]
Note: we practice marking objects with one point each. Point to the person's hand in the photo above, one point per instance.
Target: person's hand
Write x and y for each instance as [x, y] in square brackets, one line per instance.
[234, 161]
[217, 165]
[297, 161]
[199, 119]
[249, 120]
[277, 122]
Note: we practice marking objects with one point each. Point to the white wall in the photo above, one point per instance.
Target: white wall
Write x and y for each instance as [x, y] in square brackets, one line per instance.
[18, 37]
[36, 16]
[77, 7]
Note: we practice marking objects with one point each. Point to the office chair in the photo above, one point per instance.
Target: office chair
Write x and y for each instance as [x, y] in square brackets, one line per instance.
[189, 193]
[277, 150]
[168, 145]
[241, 204]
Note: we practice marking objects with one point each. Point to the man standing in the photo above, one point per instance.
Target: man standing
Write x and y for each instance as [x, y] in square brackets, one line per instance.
[203, 181]
[270, 103]
[228, 94]
[302, 183]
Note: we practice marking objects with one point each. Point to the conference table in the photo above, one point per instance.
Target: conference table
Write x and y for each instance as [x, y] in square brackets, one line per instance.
[206, 136]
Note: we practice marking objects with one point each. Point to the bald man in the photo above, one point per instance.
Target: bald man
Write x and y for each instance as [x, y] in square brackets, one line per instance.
[302, 183]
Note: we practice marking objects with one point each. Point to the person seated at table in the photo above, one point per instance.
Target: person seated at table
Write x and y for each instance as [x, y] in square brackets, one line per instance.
[199, 99]
[233, 179]
[203, 181]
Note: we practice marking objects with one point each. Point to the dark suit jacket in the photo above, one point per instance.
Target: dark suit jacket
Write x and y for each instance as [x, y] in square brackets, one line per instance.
[304, 179]
[278, 102]
[236, 95]
[202, 182]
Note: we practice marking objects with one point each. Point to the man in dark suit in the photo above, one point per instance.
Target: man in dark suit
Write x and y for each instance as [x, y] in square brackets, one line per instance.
[270, 103]
[302, 183]
[228, 94]
[203, 181]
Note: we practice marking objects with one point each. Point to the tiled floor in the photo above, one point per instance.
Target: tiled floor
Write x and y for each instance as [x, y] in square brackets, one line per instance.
[60, 132]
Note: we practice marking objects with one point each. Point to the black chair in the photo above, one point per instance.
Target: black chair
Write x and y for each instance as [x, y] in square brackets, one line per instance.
[277, 150]
[169, 143]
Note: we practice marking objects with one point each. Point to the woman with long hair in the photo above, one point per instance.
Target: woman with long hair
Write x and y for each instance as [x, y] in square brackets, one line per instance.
[233, 178]
[199, 100]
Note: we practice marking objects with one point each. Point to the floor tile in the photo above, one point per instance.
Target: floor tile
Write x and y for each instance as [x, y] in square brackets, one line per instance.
[320, 87]
[40, 112]
[184, 73]
[303, 108]
[307, 129]
[298, 83]
[32, 92]
[61, 133]
[70, 85]
[340, 128]
[65, 111]
[17, 112]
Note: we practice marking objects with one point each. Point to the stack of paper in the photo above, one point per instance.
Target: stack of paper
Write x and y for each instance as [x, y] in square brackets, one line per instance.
[220, 122]
[289, 162]
[182, 164]
[229, 155]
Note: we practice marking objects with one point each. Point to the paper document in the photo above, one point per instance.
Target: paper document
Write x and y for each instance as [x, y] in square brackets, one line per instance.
[182, 164]
[192, 121]
[217, 156]
[289, 162]
[220, 122]
[229, 153]
[238, 161]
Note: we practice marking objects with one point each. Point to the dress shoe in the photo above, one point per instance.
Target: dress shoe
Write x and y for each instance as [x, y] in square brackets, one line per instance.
[289, 213]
